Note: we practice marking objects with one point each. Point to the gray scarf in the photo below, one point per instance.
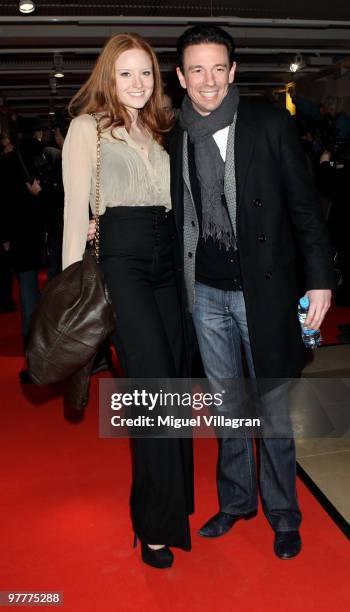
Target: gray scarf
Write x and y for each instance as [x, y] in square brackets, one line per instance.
[209, 163]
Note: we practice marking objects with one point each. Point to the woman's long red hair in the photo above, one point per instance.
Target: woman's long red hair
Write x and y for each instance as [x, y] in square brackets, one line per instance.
[99, 93]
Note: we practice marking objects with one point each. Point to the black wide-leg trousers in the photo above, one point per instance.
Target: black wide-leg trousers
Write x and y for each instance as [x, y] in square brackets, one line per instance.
[136, 255]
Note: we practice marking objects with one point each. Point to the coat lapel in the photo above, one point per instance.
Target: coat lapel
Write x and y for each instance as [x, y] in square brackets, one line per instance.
[230, 176]
[243, 145]
[185, 168]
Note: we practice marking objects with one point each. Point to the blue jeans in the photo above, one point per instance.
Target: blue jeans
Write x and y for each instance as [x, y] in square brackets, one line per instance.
[220, 322]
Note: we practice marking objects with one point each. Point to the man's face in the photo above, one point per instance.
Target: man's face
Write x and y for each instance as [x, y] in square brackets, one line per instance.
[206, 75]
[167, 106]
[329, 110]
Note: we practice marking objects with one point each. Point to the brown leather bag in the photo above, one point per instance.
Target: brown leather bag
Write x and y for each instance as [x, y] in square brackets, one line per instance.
[73, 318]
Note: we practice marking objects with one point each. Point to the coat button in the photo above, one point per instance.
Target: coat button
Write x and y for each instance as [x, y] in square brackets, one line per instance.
[190, 254]
[193, 224]
[262, 238]
[257, 202]
[268, 275]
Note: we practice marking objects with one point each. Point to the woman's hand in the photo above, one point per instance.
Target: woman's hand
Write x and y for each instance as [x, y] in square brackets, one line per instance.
[91, 231]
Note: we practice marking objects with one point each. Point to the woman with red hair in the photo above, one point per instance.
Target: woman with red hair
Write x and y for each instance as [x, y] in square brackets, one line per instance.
[136, 240]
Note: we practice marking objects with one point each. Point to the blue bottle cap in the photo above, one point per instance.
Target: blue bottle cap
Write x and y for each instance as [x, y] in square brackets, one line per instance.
[304, 302]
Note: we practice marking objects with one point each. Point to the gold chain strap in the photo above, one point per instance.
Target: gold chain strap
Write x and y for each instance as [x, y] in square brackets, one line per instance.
[98, 188]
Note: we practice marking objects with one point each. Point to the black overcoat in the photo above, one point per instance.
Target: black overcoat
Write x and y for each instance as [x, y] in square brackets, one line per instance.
[278, 220]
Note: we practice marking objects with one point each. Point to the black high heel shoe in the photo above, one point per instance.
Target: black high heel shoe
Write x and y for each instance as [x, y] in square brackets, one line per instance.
[160, 558]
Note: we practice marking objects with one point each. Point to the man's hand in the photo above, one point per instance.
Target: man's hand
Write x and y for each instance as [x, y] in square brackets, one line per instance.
[325, 157]
[91, 231]
[34, 188]
[58, 137]
[320, 301]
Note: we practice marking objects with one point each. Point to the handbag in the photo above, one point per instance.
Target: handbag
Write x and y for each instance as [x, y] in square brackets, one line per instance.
[74, 315]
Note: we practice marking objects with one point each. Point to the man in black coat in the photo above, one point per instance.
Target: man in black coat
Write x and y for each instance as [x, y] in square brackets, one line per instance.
[33, 192]
[244, 207]
[26, 228]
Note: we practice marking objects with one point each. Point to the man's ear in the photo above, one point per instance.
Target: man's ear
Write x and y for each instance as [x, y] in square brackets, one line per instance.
[181, 78]
[231, 76]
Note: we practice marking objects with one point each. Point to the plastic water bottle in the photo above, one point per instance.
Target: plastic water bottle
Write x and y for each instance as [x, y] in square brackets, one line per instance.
[311, 337]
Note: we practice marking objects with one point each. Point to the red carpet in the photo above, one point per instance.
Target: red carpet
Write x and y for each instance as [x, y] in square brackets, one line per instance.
[65, 525]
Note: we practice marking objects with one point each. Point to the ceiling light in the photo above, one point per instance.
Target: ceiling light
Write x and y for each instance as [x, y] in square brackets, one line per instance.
[51, 106]
[58, 65]
[26, 6]
[297, 64]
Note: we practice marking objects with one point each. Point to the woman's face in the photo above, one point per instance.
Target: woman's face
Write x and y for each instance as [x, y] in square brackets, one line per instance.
[134, 79]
